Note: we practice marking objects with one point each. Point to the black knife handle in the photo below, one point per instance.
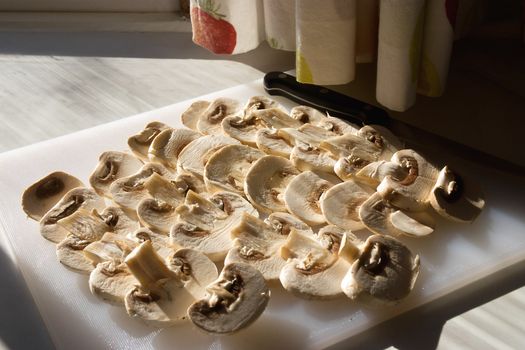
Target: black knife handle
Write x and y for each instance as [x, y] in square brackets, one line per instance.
[326, 100]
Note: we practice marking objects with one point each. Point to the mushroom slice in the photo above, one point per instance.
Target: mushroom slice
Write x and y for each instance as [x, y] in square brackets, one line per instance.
[283, 223]
[312, 270]
[119, 222]
[258, 244]
[346, 167]
[385, 271]
[160, 299]
[112, 165]
[381, 217]
[139, 143]
[227, 168]
[73, 200]
[41, 196]
[160, 242]
[303, 193]
[383, 138]
[111, 247]
[454, 198]
[242, 128]
[84, 225]
[269, 141]
[205, 225]
[196, 154]
[111, 280]
[128, 191]
[266, 181]
[306, 114]
[373, 173]
[256, 103]
[337, 126]
[191, 116]
[234, 301]
[210, 120]
[70, 252]
[275, 118]
[411, 192]
[168, 144]
[306, 157]
[345, 145]
[340, 204]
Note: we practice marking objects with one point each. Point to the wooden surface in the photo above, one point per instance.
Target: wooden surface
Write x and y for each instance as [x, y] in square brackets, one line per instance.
[56, 83]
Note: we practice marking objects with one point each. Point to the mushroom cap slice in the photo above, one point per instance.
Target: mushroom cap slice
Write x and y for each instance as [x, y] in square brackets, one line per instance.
[205, 224]
[117, 219]
[261, 102]
[266, 182]
[412, 192]
[340, 204]
[128, 191]
[383, 138]
[381, 217]
[41, 196]
[456, 199]
[242, 128]
[346, 167]
[385, 272]
[156, 214]
[191, 116]
[112, 165]
[303, 193]
[234, 301]
[84, 225]
[258, 244]
[283, 223]
[196, 154]
[70, 252]
[210, 120]
[306, 157]
[188, 181]
[312, 271]
[110, 247]
[227, 168]
[159, 241]
[139, 143]
[111, 280]
[373, 173]
[269, 141]
[307, 114]
[168, 144]
[72, 201]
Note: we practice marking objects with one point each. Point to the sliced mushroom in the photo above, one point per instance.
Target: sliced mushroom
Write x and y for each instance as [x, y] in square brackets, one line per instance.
[110, 247]
[256, 103]
[210, 120]
[70, 252]
[275, 118]
[456, 199]
[117, 219]
[269, 141]
[373, 173]
[412, 192]
[306, 157]
[112, 165]
[191, 116]
[84, 225]
[283, 223]
[266, 181]
[312, 270]
[258, 244]
[128, 191]
[383, 138]
[346, 167]
[111, 280]
[139, 143]
[346, 144]
[188, 181]
[307, 114]
[73, 200]
[160, 242]
[41, 196]
[337, 126]
[340, 204]
[196, 154]
[381, 217]
[168, 144]
[385, 271]
[307, 133]
[234, 301]
[205, 224]
[227, 168]
[303, 193]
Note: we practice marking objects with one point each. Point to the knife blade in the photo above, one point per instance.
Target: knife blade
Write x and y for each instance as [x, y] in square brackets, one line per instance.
[362, 113]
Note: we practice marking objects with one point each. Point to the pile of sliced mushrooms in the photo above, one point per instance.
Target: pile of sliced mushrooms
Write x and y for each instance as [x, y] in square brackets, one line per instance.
[298, 198]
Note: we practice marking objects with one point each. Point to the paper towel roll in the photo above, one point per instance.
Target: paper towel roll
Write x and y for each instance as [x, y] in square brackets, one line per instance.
[227, 26]
[279, 20]
[367, 22]
[438, 36]
[399, 48]
[325, 41]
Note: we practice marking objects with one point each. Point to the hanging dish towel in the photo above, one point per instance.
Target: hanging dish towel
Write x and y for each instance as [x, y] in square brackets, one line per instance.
[410, 39]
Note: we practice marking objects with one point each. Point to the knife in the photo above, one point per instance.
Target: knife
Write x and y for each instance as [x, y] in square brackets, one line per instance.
[362, 113]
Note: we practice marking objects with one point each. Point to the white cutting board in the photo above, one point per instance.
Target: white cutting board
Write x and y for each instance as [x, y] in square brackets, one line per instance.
[454, 256]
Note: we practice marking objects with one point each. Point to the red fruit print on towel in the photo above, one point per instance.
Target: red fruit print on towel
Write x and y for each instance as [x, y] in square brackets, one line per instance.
[210, 30]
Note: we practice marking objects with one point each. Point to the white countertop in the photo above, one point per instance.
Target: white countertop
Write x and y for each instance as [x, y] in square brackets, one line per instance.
[52, 84]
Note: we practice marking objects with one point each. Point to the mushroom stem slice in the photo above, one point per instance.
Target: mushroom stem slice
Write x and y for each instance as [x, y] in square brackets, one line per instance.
[111, 280]
[168, 144]
[41, 196]
[191, 116]
[456, 199]
[384, 273]
[84, 225]
[349, 248]
[373, 173]
[139, 143]
[111, 166]
[210, 120]
[234, 301]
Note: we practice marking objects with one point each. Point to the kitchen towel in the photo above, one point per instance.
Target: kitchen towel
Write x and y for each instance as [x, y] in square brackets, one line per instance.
[411, 40]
